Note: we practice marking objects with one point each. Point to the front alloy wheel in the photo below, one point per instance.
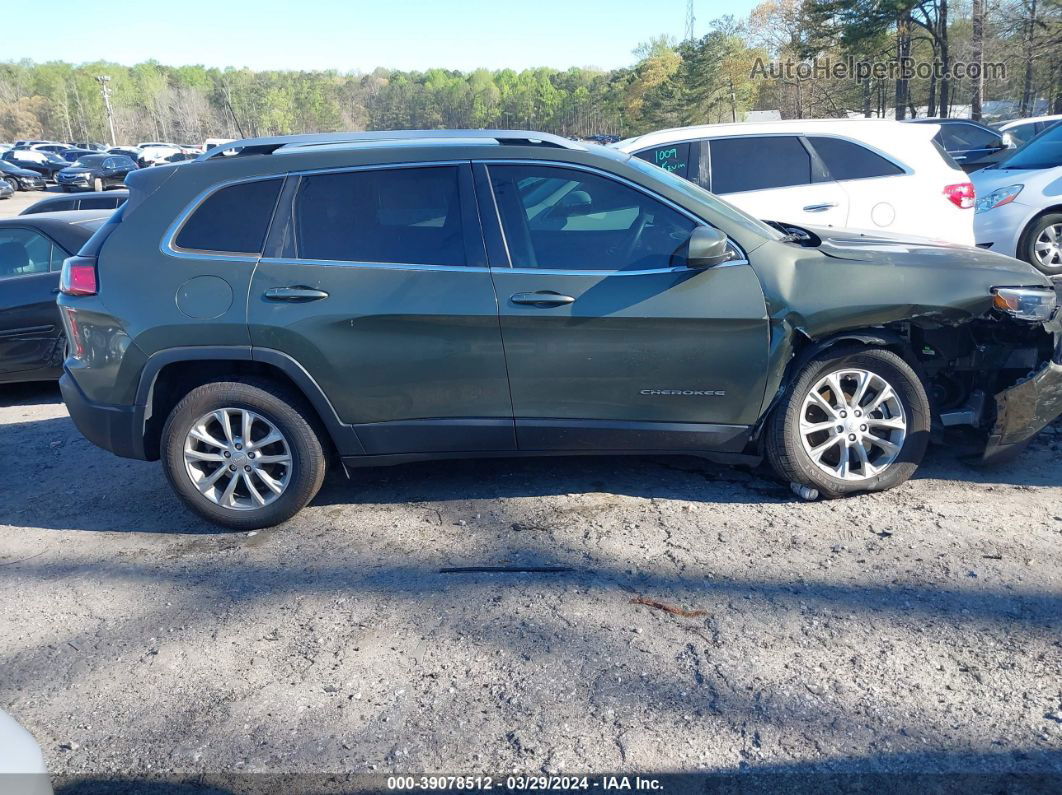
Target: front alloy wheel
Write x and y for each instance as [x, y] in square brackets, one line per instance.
[855, 419]
[1047, 247]
[852, 424]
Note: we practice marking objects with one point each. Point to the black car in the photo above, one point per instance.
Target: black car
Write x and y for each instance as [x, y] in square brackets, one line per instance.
[21, 178]
[96, 172]
[971, 144]
[7, 190]
[47, 164]
[32, 250]
[72, 155]
[104, 200]
[91, 145]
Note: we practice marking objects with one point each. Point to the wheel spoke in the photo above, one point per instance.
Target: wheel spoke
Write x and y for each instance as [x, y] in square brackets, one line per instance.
[861, 388]
[230, 490]
[834, 381]
[842, 464]
[896, 423]
[813, 427]
[258, 498]
[868, 468]
[273, 459]
[265, 441]
[208, 482]
[816, 452]
[274, 485]
[884, 444]
[199, 432]
[823, 404]
[246, 421]
[885, 394]
[226, 426]
[195, 455]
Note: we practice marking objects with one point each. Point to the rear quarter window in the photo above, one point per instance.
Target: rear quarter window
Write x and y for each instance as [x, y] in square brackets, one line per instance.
[232, 220]
[849, 160]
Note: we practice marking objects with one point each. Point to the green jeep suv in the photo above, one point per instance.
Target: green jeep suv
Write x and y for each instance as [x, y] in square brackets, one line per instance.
[378, 298]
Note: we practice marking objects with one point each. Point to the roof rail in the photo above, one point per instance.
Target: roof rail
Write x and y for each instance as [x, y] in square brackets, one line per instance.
[266, 146]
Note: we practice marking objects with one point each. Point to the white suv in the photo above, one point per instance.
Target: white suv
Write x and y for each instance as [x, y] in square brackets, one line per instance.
[866, 174]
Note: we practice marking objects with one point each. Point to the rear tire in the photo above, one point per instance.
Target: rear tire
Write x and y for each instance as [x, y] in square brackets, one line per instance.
[893, 435]
[254, 501]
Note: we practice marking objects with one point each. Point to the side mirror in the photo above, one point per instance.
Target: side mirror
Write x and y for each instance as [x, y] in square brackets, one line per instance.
[707, 248]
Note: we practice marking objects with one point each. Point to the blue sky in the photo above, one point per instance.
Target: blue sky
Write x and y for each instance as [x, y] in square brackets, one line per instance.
[357, 35]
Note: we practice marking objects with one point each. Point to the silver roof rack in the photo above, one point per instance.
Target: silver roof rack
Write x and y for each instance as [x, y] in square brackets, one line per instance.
[266, 146]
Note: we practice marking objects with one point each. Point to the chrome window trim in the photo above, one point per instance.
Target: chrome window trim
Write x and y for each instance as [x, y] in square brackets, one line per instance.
[390, 266]
[742, 256]
[169, 247]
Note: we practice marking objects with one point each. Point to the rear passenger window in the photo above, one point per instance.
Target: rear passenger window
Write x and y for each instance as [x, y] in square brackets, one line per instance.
[233, 220]
[758, 163]
[848, 160]
[101, 203]
[672, 157]
[409, 216]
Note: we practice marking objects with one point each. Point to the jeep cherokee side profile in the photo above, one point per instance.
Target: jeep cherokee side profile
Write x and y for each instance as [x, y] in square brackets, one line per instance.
[376, 298]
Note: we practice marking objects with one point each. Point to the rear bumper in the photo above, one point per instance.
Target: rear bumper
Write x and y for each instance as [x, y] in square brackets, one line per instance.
[119, 429]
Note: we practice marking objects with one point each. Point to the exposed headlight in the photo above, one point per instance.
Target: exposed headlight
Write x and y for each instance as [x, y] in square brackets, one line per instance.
[1025, 303]
[998, 198]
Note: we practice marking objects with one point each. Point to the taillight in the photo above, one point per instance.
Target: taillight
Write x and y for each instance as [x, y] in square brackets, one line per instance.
[961, 194]
[79, 276]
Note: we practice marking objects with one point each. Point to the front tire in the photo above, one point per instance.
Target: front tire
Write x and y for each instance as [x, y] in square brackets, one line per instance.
[1041, 245]
[854, 421]
[243, 455]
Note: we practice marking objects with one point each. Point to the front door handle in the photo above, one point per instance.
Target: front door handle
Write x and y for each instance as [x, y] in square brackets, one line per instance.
[297, 295]
[543, 299]
[818, 208]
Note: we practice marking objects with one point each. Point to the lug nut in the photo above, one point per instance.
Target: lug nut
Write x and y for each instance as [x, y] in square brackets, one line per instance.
[859, 413]
[851, 437]
[250, 455]
[840, 429]
[844, 414]
[232, 467]
[228, 454]
[863, 428]
[239, 446]
[247, 469]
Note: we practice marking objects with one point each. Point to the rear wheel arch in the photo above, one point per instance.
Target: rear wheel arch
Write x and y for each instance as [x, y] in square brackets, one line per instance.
[171, 375]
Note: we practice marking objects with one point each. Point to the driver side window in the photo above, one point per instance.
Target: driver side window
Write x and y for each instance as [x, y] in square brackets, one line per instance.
[557, 218]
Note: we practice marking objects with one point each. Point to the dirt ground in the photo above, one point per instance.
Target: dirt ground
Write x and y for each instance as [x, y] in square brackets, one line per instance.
[917, 630]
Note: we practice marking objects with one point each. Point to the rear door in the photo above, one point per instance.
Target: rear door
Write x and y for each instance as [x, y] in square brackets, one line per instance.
[30, 332]
[611, 342]
[375, 282]
[878, 189]
[776, 178]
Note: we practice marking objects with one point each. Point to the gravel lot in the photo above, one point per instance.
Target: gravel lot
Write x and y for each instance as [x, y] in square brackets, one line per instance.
[917, 630]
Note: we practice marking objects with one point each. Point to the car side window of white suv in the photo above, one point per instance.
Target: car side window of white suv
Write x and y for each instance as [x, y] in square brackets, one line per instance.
[759, 162]
[846, 160]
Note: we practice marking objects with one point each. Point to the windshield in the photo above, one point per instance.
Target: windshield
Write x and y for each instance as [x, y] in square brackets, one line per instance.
[697, 193]
[89, 161]
[1043, 151]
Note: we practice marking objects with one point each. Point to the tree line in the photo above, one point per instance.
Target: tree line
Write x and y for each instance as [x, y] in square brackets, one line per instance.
[715, 77]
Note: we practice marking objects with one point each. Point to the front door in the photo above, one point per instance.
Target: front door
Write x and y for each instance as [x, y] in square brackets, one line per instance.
[30, 332]
[611, 342]
[379, 289]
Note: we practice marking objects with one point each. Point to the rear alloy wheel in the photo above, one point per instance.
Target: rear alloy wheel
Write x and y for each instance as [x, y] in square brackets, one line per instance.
[243, 455]
[854, 421]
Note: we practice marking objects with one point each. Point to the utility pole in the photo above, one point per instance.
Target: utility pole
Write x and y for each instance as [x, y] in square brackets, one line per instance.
[105, 89]
[690, 19]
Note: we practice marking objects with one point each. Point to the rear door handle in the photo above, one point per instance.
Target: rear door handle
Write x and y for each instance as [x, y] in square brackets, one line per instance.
[543, 299]
[294, 294]
[818, 208]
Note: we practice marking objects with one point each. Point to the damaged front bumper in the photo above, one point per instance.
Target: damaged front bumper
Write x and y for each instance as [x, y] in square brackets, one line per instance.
[1024, 409]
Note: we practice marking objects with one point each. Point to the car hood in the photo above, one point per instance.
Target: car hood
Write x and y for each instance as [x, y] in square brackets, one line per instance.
[71, 170]
[18, 171]
[889, 250]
